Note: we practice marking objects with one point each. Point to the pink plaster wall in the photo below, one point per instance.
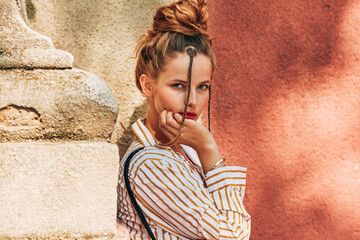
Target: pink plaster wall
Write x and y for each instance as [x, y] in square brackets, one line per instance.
[286, 104]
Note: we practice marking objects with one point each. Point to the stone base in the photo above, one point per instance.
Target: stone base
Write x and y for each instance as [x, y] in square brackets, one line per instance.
[52, 190]
[55, 104]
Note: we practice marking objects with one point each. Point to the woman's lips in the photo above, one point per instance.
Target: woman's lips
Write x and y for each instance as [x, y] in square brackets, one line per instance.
[189, 115]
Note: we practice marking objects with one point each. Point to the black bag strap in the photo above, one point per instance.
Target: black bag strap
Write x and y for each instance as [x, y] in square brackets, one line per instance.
[131, 194]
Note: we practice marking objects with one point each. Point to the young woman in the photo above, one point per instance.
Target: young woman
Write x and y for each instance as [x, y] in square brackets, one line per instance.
[179, 177]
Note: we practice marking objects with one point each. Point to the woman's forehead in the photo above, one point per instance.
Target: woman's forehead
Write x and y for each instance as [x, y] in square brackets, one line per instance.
[178, 68]
[179, 65]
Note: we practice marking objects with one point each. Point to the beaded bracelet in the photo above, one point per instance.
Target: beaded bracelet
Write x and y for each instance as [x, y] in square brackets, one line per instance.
[216, 164]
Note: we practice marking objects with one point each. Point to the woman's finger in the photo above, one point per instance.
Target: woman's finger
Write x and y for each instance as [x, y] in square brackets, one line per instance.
[167, 129]
[162, 118]
[171, 121]
[178, 118]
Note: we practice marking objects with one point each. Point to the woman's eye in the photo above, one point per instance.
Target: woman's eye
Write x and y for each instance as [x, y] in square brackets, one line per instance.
[178, 85]
[203, 87]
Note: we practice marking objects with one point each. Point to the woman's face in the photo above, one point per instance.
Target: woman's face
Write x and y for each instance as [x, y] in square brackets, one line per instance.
[170, 88]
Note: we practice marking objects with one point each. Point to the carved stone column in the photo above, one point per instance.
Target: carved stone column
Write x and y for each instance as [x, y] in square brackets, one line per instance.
[21, 47]
[58, 172]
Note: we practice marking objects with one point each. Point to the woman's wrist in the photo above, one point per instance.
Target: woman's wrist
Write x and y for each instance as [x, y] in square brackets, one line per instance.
[208, 144]
[220, 163]
[209, 156]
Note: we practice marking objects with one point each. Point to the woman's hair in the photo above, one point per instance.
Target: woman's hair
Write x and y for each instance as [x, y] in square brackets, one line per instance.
[175, 27]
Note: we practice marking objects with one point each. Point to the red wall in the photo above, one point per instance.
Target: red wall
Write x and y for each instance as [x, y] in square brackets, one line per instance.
[286, 105]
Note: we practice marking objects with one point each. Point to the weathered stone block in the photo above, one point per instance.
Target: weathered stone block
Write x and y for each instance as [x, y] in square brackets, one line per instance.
[55, 104]
[50, 189]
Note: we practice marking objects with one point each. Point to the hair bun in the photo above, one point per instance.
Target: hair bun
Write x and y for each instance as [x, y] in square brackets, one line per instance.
[188, 17]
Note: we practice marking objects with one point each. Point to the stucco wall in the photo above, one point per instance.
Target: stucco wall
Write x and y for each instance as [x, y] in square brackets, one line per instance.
[286, 105]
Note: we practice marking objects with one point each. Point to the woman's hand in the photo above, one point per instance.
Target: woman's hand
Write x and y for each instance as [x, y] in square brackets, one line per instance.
[194, 135]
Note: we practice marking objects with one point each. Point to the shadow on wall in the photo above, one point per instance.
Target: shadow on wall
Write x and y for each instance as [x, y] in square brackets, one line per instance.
[126, 138]
[30, 9]
[282, 108]
[101, 34]
[123, 144]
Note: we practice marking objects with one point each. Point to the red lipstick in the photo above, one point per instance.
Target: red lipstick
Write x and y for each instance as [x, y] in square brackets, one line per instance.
[189, 115]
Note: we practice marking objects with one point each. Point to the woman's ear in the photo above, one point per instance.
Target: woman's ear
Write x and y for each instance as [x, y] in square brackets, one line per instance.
[147, 85]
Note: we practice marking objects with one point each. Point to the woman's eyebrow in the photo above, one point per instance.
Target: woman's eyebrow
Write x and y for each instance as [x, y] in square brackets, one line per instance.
[183, 81]
[206, 81]
[180, 80]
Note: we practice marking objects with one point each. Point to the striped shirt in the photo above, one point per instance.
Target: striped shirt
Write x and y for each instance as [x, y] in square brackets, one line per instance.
[178, 200]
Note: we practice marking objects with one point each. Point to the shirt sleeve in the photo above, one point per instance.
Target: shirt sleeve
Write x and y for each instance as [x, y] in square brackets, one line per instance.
[173, 196]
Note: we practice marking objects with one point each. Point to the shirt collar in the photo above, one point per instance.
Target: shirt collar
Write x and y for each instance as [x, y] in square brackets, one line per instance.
[143, 134]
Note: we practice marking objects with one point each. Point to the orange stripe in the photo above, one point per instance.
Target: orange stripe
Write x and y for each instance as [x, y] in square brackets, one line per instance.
[215, 229]
[247, 228]
[242, 210]
[138, 136]
[155, 214]
[229, 223]
[221, 201]
[163, 203]
[171, 151]
[186, 195]
[135, 159]
[189, 189]
[225, 171]
[139, 158]
[185, 185]
[231, 230]
[196, 181]
[168, 198]
[170, 236]
[142, 131]
[178, 197]
[233, 237]
[238, 228]
[228, 178]
[142, 233]
[166, 157]
[174, 192]
[209, 215]
[144, 161]
[133, 227]
[229, 185]
[182, 174]
[227, 198]
[235, 201]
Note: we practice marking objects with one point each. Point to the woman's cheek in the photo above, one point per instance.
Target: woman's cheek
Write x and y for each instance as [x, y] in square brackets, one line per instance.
[170, 103]
[162, 104]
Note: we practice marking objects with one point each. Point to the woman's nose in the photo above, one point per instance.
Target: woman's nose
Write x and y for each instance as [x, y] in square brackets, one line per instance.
[192, 98]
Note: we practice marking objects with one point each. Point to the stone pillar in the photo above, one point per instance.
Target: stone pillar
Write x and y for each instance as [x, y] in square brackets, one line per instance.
[58, 171]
